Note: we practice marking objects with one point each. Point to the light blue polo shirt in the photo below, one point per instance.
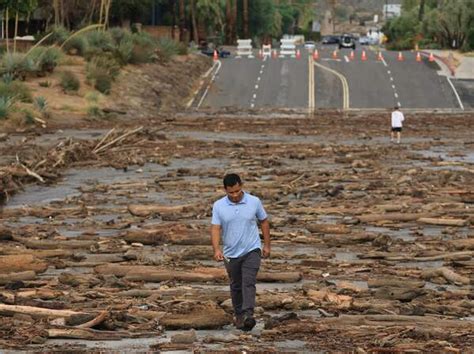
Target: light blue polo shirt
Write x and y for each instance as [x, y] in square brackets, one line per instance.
[238, 223]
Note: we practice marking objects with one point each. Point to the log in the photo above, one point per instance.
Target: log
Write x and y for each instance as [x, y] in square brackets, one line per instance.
[5, 234]
[21, 263]
[463, 244]
[367, 218]
[447, 274]
[11, 277]
[397, 283]
[281, 277]
[350, 239]
[54, 244]
[443, 222]
[395, 293]
[85, 334]
[170, 235]
[328, 228]
[149, 210]
[96, 321]
[35, 311]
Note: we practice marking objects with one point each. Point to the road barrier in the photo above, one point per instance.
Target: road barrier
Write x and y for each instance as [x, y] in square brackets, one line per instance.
[244, 48]
[287, 47]
[266, 50]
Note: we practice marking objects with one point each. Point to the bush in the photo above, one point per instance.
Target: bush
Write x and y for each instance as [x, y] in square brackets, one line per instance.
[167, 48]
[103, 83]
[44, 83]
[76, 45]
[145, 47]
[58, 36]
[46, 58]
[119, 34]
[124, 51]
[41, 103]
[100, 40]
[16, 90]
[70, 82]
[402, 44]
[103, 63]
[17, 65]
[5, 106]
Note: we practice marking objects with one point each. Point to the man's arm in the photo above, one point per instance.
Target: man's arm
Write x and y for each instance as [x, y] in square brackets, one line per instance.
[215, 241]
[265, 225]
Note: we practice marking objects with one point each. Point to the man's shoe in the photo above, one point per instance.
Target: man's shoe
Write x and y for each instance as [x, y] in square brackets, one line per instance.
[239, 322]
[249, 323]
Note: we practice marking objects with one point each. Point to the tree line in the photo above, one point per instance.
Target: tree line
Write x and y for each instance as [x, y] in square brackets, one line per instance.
[224, 20]
[433, 24]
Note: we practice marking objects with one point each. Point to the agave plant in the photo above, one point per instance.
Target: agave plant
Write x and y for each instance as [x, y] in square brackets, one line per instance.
[5, 106]
[16, 65]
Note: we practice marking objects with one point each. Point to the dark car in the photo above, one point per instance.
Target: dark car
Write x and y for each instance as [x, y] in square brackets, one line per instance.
[347, 41]
[222, 53]
[330, 40]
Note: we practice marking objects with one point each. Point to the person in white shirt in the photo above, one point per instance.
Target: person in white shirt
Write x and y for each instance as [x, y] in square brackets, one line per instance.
[397, 124]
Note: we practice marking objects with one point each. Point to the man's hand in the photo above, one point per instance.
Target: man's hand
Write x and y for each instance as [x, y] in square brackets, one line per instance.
[266, 251]
[218, 256]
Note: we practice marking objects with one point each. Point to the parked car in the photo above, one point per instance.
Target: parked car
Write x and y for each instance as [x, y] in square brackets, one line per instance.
[330, 40]
[364, 40]
[347, 41]
[222, 53]
[310, 45]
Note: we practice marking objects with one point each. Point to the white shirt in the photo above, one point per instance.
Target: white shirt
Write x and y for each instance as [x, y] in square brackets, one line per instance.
[397, 119]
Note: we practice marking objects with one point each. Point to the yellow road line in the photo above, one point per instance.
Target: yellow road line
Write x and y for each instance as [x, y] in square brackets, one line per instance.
[311, 99]
[345, 85]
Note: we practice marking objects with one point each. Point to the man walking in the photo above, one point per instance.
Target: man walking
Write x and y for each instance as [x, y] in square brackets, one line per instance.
[234, 217]
[397, 124]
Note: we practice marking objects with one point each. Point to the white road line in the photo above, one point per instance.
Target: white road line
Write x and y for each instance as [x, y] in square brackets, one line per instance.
[393, 86]
[456, 93]
[384, 62]
[258, 78]
[389, 72]
[219, 64]
[396, 95]
[254, 96]
[252, 105]
[391, 78]
[261, 71]
[256, 87]
[346, 58]
[399, 104]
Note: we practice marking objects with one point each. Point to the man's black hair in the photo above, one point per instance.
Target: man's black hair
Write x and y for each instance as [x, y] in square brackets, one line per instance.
[396, 107]
[231, 180]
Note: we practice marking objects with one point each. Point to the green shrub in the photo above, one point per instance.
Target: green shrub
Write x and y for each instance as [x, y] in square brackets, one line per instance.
[16, 90]
[76, 45]
[46, 58]
[58, 35]
[41, 104]
[119, 34]
[70, 82]
[402, 44]
[94, 111]
[16, 65]
[29, 118]
[124, 51]
[167, 48]
[103, 63]
[144, 48]
[7, 78]
[100, 40]
[103, 83]
[5, 106]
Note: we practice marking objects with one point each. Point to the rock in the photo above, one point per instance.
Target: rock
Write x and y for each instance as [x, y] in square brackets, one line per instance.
[185, 337]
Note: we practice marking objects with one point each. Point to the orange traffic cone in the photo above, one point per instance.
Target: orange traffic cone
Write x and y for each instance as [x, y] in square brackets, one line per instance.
[315, 54]
[298, 54]
[431, 57]
[379, 56]
[352, 56]
[334, 54]
[400, 56]
[215, 55]
[418, 56]
[364, 56]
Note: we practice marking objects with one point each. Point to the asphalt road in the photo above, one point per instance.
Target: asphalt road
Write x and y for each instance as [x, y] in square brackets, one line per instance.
[283, 82]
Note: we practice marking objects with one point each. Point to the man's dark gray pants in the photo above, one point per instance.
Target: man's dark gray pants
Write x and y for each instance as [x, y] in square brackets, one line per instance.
[242, 272]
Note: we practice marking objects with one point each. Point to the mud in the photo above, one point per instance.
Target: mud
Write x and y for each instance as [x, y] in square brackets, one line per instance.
[372, 241]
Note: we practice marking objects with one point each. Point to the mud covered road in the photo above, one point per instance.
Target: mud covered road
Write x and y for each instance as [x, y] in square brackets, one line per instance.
[104, 236]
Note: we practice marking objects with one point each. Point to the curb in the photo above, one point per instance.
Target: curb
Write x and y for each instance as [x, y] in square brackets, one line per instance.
[451, 68]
